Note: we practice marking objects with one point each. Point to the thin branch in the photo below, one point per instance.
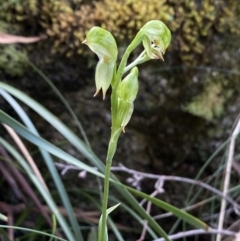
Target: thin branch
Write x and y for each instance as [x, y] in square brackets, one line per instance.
[13, 39]
[178, 179]
[66, 167]
[197, 232]
[139, 176]
[227, 176]
[159, 189]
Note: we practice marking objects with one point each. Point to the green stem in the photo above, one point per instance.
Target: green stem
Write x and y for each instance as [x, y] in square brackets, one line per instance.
[112, 146]
[116, 130]
[142, 58]
[136, 41]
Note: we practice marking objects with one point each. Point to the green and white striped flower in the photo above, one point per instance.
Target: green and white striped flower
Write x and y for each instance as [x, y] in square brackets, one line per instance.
[156, 38]
[102, 43]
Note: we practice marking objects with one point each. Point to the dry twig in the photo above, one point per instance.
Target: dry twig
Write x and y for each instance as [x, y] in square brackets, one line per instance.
[227, 176]
[13, 39]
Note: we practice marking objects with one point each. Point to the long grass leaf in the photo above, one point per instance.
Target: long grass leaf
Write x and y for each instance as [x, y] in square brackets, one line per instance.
[109, 210]
[49, 162]
[65, 156]
[45, 194]
[110, 222]
[61, 97]
[170, 208]
[24, 132]
[42, 143]
[31, 230]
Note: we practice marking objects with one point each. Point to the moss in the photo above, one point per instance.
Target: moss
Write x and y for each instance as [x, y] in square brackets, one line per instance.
[12, 58]
[66, 22]
[124, 18]
[191, 21]
[55, 18]
[12, 61]
[210, 103]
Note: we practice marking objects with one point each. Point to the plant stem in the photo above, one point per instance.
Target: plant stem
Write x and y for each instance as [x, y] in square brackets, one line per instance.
[142, 58]
[116, 130]
[136, 41]
[112, 146]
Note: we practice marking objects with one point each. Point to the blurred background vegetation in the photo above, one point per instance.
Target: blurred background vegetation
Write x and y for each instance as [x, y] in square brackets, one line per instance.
[199, 76]
[186, 104]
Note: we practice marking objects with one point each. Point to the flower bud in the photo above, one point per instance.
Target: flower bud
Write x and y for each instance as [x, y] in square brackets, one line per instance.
[102, 43]
[124, 114]
[128, 88]
[156, 39]
[126, 92]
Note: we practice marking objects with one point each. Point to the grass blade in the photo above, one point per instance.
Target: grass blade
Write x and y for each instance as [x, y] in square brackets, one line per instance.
[49, 162]
[170, 208]
[24, 132]
[40, 187]
[109, 210]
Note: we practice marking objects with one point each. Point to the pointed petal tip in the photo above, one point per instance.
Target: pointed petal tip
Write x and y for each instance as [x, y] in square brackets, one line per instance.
[96, 93]
[162, 56]
[104, 95]
[84, 41]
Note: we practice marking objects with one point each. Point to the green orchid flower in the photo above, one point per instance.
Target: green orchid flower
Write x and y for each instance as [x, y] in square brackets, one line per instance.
[156, 38]
[102, 43]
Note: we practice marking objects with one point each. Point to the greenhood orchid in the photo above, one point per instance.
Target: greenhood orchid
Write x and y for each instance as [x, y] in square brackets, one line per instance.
[102, 43]
[156, 38]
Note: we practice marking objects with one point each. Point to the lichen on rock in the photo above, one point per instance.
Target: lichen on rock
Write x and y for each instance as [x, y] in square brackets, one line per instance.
[209, 104]
[12, 57]
[66, 22]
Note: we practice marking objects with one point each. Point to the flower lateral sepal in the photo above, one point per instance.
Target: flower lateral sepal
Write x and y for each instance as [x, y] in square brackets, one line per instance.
[103, 76]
